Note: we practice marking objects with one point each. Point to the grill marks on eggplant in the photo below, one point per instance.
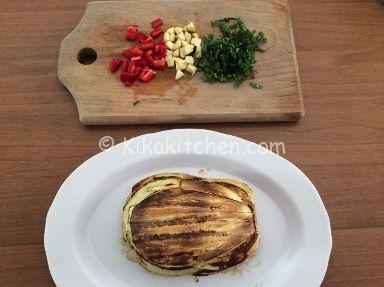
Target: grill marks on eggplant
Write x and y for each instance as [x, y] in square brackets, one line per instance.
[183, 220]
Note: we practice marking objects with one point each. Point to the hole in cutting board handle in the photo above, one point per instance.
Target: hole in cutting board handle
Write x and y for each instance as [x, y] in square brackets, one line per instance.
[86, 56]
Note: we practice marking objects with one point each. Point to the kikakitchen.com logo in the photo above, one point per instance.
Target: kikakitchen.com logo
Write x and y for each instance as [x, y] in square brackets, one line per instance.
[186, 145]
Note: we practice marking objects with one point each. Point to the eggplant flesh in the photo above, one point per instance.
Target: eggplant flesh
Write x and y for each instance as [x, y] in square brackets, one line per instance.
[181, 224]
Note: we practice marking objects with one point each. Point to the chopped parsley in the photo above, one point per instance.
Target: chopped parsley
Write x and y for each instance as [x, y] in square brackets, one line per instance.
[256, 85]
[231, 57]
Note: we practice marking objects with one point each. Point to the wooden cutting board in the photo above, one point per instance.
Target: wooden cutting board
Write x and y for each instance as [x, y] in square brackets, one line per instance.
[102, 99]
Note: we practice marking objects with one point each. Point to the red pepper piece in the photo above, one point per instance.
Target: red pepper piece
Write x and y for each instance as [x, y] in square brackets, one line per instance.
[159, 64]
[157, 23]
[157, 32]
[129, 83]
[128, 53]
[148, 53]
[147, 46]
[157, 57]
[143, 71]
[160, 42]
[124, 65]
[161, 50]
[140, 63]
[141, 37]
[147, 76]
[149, 39]
[148, 56]
[137, 71]
[131, 33]
[125, 76]
[137, 61]
[131, 69]
[135, 58]
[149, 61]
[114, 65]
[136, 51]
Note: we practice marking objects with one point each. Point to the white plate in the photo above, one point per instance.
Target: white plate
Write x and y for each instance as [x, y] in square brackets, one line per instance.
[83, 228]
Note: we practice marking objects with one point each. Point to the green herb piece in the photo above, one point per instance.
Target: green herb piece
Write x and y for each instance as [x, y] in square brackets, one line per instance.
[231, 57]
[256, 85]
[135, 103]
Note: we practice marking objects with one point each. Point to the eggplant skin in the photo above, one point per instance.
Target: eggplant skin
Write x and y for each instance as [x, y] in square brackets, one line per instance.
[181, 224]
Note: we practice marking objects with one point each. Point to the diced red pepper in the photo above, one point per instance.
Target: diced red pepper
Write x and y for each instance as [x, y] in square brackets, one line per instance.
[160, 42]
[137, 61]
[125, 76]
[143, 71]
[135, 58]
[129, 83]
[148, 56]
[147, 45]
[147, 76]
[157, 32]
[140, 63]
[141, 36]
[136, 51]
[148, 53]
[157, 57]
[149, 39]
[131, 68]
[137, 71]
[115, 64]
[148, 61]
[161, 50]
[124, 65]
[131, 33]
[128, 53]
[159, 64]
[157, 23]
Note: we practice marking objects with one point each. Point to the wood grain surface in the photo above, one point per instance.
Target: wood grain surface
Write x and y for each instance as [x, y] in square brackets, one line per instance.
[339, 144]
[102, 99]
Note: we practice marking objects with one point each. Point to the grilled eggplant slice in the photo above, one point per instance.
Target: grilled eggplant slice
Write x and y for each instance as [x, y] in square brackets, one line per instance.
[180, 224]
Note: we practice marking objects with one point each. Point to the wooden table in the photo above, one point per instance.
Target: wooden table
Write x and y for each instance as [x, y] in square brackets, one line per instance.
[339, 144]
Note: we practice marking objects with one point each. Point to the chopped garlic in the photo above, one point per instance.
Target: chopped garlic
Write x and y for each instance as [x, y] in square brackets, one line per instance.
[177, 59]
[181, 53]
[191, 69]
[198, 52]
[167, 37]
[178, 30]
[180, 36]
[196, 42]
[176, 53]
[169, 45]
[179, 75]
[190, 27]
[180, 43]
[170, 61]
[189, 60]
[181, 65]
[171, 30]
[177, 44]
[188, 37]
[173, 37]
[188, 49]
